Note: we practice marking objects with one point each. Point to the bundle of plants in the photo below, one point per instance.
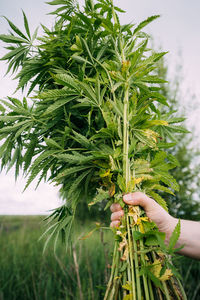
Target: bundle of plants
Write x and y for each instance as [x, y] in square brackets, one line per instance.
[91, 123]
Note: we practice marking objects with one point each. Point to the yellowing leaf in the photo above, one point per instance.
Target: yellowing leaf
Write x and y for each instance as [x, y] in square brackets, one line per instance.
[125, 254]
[105, 174]
[122, 244]
[134, 212]
[112, 190]
[139, 222]
[168, 273]
[88, 235]
[156, 268]
[128, 297]
[157, 122]
[138, 180]
[150, 134]
[127, 286]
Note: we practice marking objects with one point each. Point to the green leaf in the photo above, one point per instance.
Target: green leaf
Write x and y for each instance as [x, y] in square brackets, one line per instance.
[159, 157]
[173, 160]
[12, 39]
[69, 171]
[52, 144]
[13, 53]
[26, 24]
[66, 80]
[177, 129]
[16, 29]
[76, 183]
[145, 23]
[175, 236]
[82, 140]
[14, 127]
[57, 105]
[101, 195]
[158, 199]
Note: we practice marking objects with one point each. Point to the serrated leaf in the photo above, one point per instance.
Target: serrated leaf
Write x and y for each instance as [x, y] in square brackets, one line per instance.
[26, 24]
[145, 23]
[159, 157]
[52, 144]
[69, 171]
[12, 39]
[57, 104]
[101, 195]
[16, 29]
[175, 236]
[158, 199]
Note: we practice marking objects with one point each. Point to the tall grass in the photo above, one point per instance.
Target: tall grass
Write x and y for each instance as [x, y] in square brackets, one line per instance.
[27, 273]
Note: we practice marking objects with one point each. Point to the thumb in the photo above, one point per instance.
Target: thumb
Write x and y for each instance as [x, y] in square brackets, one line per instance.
[141, 199]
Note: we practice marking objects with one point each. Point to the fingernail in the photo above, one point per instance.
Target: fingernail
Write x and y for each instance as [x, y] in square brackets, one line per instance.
[128, 197]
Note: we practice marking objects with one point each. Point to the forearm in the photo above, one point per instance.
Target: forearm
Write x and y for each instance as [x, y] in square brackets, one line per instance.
[190, 238]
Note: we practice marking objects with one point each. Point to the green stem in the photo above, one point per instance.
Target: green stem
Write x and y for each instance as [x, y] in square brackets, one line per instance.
[112, 271]
[126, 172]
[138, 283]
[166, 291]
[182, 289]
[150, 290]
[130, 249]
[146, 290]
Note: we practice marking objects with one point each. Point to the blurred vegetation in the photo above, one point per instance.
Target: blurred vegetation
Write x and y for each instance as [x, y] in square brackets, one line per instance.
[28, 274]
[82, 272]
[186, 202]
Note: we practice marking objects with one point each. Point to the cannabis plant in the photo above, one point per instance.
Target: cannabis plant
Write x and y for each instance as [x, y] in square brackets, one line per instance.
[91, 123]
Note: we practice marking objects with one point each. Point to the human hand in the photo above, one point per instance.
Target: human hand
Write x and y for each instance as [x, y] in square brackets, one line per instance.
[154, 211]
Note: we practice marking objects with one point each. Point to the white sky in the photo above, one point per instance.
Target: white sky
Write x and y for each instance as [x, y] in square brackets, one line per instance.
[177, 29]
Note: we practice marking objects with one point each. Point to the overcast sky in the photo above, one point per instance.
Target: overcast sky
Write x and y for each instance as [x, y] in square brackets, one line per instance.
[177, 30]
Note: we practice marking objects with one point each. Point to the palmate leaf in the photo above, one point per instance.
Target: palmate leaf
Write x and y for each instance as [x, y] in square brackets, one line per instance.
[75, 185]
[38, 165]
[15, 126]
[16, 29]
[29, 154]
[13, 53]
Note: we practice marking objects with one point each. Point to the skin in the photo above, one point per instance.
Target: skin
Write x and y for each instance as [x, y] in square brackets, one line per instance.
[190, 230]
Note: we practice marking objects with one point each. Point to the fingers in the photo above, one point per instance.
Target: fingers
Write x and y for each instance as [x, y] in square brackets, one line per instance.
[117, 215]
[115, 207]
[114, 223]
[139, 198]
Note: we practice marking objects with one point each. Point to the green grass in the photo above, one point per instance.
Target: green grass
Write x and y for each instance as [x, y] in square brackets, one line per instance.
[27, 273]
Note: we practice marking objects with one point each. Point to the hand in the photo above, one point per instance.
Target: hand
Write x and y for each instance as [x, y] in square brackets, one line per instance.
[154, 211]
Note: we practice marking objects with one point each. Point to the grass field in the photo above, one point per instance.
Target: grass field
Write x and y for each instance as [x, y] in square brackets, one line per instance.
[27, 273]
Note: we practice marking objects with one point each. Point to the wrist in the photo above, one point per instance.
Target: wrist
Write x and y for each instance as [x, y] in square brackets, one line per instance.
[172, 222]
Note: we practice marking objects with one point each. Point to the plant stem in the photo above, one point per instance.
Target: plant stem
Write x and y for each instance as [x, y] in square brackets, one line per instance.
[130, 249]
[126, 172]
[166, 291]
[138, 283]
[146, 290]
[77, 273]
[112, 271]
